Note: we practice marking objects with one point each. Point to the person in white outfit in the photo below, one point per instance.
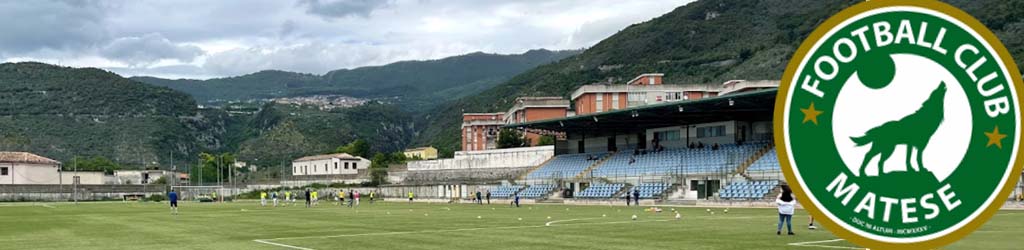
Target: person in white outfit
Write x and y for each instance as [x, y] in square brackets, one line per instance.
[786, 203]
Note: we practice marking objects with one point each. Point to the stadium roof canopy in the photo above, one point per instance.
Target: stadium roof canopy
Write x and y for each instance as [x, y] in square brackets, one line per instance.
[754, 105]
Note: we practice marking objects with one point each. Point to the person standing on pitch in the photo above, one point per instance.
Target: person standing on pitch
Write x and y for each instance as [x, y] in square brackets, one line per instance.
[628, 199]
[410, 196]
[273, 196]
[372, 194]
[308, 198]
[351, 197]
[636, 197]
[811, 225]
[516, 200]
[488, 197]
[479, 198]
[341, 197]
[355, 197]
[263, 199]
[287, 197]
[786, 204]
[173, 198]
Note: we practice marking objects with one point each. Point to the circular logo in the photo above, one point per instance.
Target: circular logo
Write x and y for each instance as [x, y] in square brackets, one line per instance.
[898, 124]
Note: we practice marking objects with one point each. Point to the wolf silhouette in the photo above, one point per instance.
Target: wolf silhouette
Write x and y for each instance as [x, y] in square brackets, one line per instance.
[913, 130]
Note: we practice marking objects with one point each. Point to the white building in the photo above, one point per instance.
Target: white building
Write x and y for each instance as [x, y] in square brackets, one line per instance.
[32, 169]
[146, 176]
[244, 165]
[329, 164]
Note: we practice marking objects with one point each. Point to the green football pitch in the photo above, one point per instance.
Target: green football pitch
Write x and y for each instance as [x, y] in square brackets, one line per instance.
[397, 225]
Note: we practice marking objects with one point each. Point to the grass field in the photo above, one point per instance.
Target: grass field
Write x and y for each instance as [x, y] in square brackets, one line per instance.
[395, 225]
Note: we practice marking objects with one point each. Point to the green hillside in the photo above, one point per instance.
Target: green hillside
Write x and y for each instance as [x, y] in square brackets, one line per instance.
[62, 112]
[416, 84]
[707, 41]
[280, 133]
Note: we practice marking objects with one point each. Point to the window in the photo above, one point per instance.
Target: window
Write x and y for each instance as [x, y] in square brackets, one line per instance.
[335, 166]
[673, 96]
[671, 135]
[346, 165]
[637, 99]
[614, 100]
[599, 104]
[713, 131]
[353, 165]
[3, 171]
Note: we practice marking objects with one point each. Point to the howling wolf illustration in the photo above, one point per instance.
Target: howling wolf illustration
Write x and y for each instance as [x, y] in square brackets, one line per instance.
[914, 131]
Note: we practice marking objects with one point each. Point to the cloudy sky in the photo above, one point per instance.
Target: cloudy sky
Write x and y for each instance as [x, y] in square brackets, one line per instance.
[203, 39]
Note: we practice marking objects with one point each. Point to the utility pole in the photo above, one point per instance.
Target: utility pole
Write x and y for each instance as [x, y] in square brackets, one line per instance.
[74, 187]
[220, 159]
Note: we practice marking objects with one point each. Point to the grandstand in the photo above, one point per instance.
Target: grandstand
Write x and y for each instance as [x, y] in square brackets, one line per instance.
[536, 191]
[677, 161]
[506, 191]
[699, 146]
[566, 166]
[768, 162]
[748, 190]
[601, 190]
[650, 190]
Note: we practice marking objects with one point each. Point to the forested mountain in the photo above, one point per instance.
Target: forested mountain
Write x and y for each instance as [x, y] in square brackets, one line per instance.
[707, 41]
[62, 112]
[415, 85]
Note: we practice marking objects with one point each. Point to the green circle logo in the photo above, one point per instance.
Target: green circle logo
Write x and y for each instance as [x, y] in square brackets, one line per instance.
[898, 124]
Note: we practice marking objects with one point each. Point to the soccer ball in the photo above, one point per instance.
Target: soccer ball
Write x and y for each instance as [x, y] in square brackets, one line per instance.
[424, 214]
[678, 216]
[709, 210]
[389, 213]
[634, 217]
[479, 217]
[604, 215]
[712, 213]
[549, 217]
[726, 210]
[520, 218]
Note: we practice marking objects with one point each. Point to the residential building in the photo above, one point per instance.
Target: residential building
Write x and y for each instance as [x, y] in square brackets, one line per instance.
[28, 168]
[480, 130]
[149, 176]
[421, 153]
[642, 90]
[528, 109]
[329, 164]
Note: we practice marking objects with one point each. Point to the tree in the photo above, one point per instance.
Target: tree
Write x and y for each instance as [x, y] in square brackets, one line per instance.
[510, 138]
[355, 148]
[546, 140]
[96, 163]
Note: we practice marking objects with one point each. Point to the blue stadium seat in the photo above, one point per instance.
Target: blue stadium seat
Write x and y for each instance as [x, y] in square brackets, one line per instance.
[677, 161]
[600, 190]
[564, 166]
[748, 190]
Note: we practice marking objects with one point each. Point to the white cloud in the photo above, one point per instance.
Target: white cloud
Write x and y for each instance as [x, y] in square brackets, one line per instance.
[198, 38]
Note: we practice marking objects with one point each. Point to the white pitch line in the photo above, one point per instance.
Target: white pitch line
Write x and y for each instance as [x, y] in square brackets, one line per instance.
[269, 241]
[559, 221]
[282, 245]
[815, 244]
